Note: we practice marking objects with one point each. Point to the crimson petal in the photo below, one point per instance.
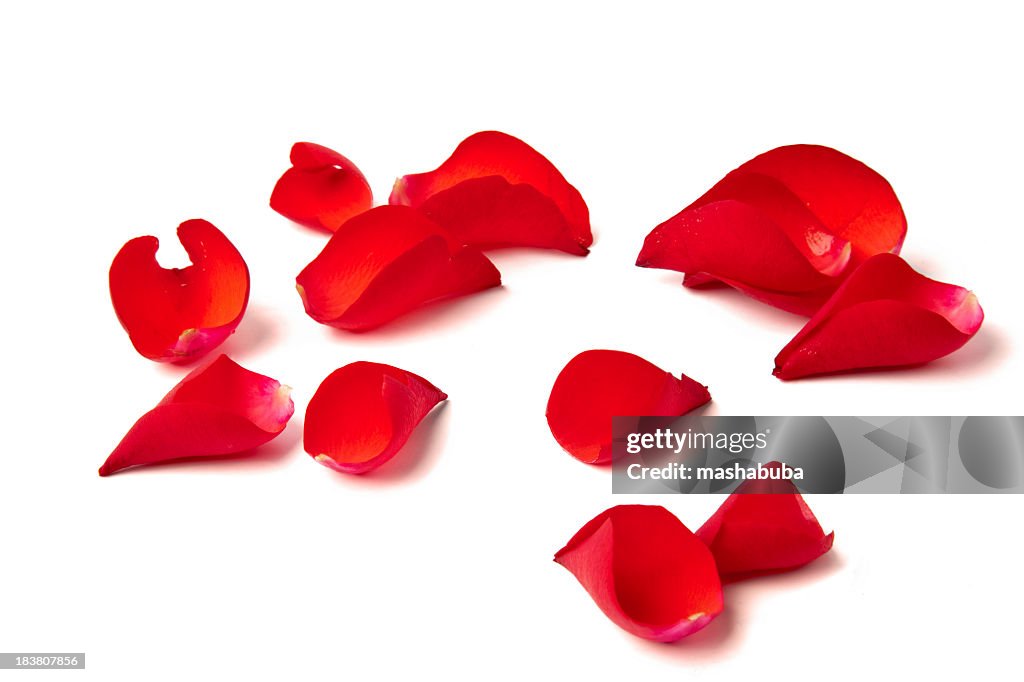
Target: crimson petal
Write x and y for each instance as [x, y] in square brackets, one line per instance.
[646, 571]
[597, 385]
[384, 263]
[363, 413]
[784, 228]
[322, 189]
[495, 190]
[219, 409]
[885, 315]
[180, 314]
[765, 526]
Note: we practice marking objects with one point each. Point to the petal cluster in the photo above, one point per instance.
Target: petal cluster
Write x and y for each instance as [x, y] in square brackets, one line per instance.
[495, 190]
[386, 262]
[885, 315]
[646, 571]
[765, 526]
[180, 314]
[363, 413]
[785, 228]
[219, 409]
[597, 385]
[322, 189]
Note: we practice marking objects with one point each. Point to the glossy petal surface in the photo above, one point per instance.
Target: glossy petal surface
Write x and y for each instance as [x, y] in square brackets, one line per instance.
[597, 385]
[322, 189]
[646, 571]
[180, 314]
[363, 413]
[219, 409]
[885, 315]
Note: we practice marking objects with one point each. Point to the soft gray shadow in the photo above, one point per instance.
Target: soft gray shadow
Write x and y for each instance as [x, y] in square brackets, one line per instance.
[725, 634]
[258, 330]
[416, 458]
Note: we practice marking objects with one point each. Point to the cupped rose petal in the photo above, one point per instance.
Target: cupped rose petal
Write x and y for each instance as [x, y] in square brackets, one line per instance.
[784, 228]
[363, 413]
[179, 314]
[218, 409]
[884, 315]
[496, 190]
[322, 189]
[646, 571]
[597, 385]
[385, 262]
[765, 526]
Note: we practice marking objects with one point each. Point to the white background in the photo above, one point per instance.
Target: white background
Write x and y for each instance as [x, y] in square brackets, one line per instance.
[120, 121]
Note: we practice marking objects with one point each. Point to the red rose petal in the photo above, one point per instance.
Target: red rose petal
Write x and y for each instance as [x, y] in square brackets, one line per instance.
[384, 263]
[179, 314]
[885, 315]
[763, 527]
[648, 573]
[496, 190]
[219, 409]
[597, 385]
[784, 228]
[322, 189]
[363, 414]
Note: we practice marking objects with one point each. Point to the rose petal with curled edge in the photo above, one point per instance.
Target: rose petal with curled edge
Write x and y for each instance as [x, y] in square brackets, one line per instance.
[646, 571]
[764, 527]
[180, 314]
[884, 315]
[784, 228]
[386, 262]
[363, 413]
[496, 190]
[218, 409]
[322, 189]
[597, 385]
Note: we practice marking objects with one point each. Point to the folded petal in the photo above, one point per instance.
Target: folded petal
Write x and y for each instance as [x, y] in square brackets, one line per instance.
[364, 413]
[784, 228]
[646, 571]
[322, 189]
[495, 190]
[179, 314]
[597, 385]
[885, 315]
[218, 409]
[384, 263]
[765, 526]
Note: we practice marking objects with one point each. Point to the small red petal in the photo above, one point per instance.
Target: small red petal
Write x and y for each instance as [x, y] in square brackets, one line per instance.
[884, 315]
[363, 414]
[384, 263]
[784, 228]
[219, 409]
[597, 385]
[179, 314]
[763, 527]
[496, 190]
[646, 571]
[322, 189]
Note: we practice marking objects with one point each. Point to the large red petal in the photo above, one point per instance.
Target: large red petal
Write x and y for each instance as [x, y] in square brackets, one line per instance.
[386, 262]
[646, 571]
[597, 385]
[784, 228]
[322, 189]
[765, 526]
[219, 409]
[496, 190]
[885, 315]
[179, 314]
[363, 414]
